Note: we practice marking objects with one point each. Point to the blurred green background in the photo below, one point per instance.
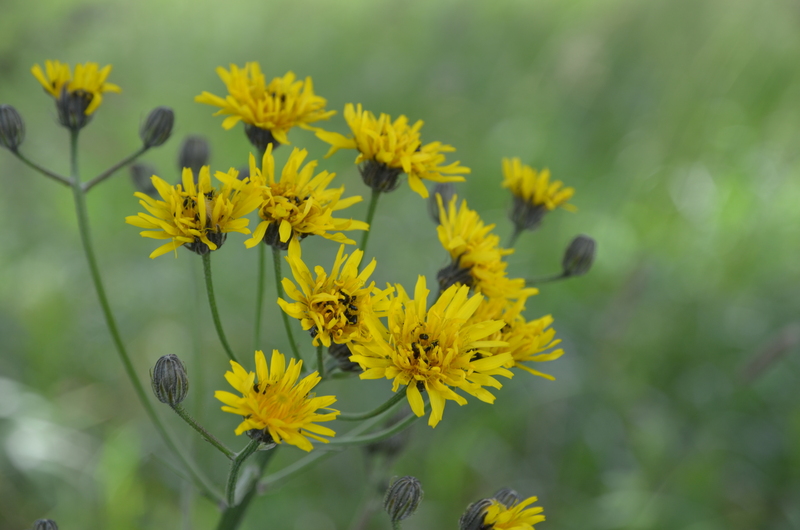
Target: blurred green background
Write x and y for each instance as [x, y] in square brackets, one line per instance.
[675, 405]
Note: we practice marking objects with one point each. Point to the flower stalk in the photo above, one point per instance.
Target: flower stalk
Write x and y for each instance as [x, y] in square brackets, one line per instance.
[213, 304]
[373, 205]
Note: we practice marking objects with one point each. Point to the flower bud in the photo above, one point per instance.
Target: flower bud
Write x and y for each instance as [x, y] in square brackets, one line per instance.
[169, 380]
[341, 352]
[157, 127]
[141, 177]
[579, 256]
[472, 519]
[380, 177]
[12, 128]
[446, 190]
[71, 108]
[260, 138]
[402, 498]
[507, 497]
[45, 524]
[194, 154]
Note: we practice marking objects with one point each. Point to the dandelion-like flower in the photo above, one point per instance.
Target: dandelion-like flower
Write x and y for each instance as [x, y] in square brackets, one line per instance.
[434, 349]
[388, 148]
[274, 402]
[534, 193]
[299, 204]
[521, 516]
[275, 107]
[334, 307]
[198, 216]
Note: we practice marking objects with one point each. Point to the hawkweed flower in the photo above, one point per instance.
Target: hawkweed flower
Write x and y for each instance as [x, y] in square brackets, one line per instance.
[12, 128]
[274, 402]
[434, 349]
[198, 216]
[77, 96]
[534, 194]
[267, 110]
[334, 307]
[520, 516]
[299, 204]
[388, 148]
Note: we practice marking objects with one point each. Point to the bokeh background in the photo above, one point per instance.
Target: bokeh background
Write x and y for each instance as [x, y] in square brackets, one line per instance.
[676, 404]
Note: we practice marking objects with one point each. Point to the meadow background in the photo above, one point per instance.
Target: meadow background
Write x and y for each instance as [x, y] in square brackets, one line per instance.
[676, 403]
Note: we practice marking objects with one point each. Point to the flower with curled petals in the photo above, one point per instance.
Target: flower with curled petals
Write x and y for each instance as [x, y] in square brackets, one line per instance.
[534, 193]
[520, 516]
[89, 80]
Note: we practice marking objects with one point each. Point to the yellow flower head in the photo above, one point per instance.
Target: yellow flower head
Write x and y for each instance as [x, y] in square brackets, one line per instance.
[389, 148]
[534, 194]
[476, 253]
[196, 215]
[275, 107]
[299, 204]
[521, 516]
[273, 401]
[434, 349]
[335, 307]
[89, 82]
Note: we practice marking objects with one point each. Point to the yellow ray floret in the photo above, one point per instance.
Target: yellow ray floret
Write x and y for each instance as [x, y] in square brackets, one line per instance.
[273, 400]
[535, 187]
[521, 516]
[335, 307]
[299, 204]
[89, 78]
[396, 145]
[196, 214]
[434, 349]
[277, 107]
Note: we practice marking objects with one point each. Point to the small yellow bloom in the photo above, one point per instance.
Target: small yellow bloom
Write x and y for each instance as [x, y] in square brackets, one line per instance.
[434, 349]
[89, 81]
[389, 148]
[534, 194]
[198, 216]
[273, 401]
[521, 516]
[299, 204]
[276, 107]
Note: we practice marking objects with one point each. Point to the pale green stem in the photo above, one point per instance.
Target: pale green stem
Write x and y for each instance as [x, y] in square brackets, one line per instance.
[377, 436]
[320, 362]
[262, 265]
[83, 226]
[113, 169]
[358, 416]
[203, 432]
[514, 236]
[236, 464]
[276, 261]
[213, 303]
[46, 172]
[373, 205]
[233, 515]
[396, 525]
[547, 279]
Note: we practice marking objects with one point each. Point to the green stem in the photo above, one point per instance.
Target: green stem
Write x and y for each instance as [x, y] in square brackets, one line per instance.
[46, 172]
[377, 436]
[213, 303]
[358, 416]
[373, 205]
[113, 169]
[514, 236]
[262, 265]
[236, 464]
[232, 516]
[83, 226]
[203, 432]
[320, 362]
[547, 279]
[396, 525]
[276, 261]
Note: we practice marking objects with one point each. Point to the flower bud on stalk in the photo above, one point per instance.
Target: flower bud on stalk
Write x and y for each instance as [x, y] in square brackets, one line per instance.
[194, 154]
[169, 380]
[579, 256]
[45, 524]
[157, 127]
[71, 108]
[472, 519]
[140, 175]
[446, 190]
[402, 498]
[12, 128]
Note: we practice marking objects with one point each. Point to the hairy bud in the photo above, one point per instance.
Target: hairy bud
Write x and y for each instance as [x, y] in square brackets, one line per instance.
[472, 519]
[71, 108]
[140, 176]
[579, 256]
[169, 380]
[507, 497]
[194, 154]
[45, 524]
[260, 138]
[402, 498]
[12, 128]
[446, 190]
[157, 127]
[380, 177]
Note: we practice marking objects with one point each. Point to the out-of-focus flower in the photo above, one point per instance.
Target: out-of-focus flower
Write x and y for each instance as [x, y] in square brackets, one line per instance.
[534, 193]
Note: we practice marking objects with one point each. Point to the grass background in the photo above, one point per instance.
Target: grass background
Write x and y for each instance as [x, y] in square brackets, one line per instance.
[676, 122]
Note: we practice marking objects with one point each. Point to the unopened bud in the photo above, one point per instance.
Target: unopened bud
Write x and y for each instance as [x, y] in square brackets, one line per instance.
[402, 498]
[194, 154]
[446, 190]
[157, 127]
[141, 177]
[579, 256]
[260, 138]
[507, 497]
[45, 524]
[12, 128]
[71, 108]
[380, 177]
[472, 519]
[169, 380]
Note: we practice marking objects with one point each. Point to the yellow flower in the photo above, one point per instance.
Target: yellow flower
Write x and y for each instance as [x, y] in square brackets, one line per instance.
[534, 194]
[521, 516]
[273, 401]
[198, 216]
[333, 307]
[389, 148]
[299, 204]
[89, 82]
[476, 253]
[435, 349]
[275, 107]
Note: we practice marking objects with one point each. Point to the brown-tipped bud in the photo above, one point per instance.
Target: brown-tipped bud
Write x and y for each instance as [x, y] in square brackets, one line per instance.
[157, 127]
[380, 177]
[169, 380]
[402, 498]
[260, 138]
[141, 177]
[71, 108]
[446, 190]
[472, 519]
[507, 497]
[195, 153]
[45, 524]
[579, 256]
[12, 128]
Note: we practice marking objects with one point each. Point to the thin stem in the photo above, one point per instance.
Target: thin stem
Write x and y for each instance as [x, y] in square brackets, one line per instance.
[514, 236]
[320, 362]
[83, 226]
[262, 266]
[396, 525]
[358, 416]
[113, 169]
[377, 436]
[203, 432]
[236, 464]
[46, 172]
[373, 205]
[213, 303]
[233, 515]
[276, 261]
[547, 279]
